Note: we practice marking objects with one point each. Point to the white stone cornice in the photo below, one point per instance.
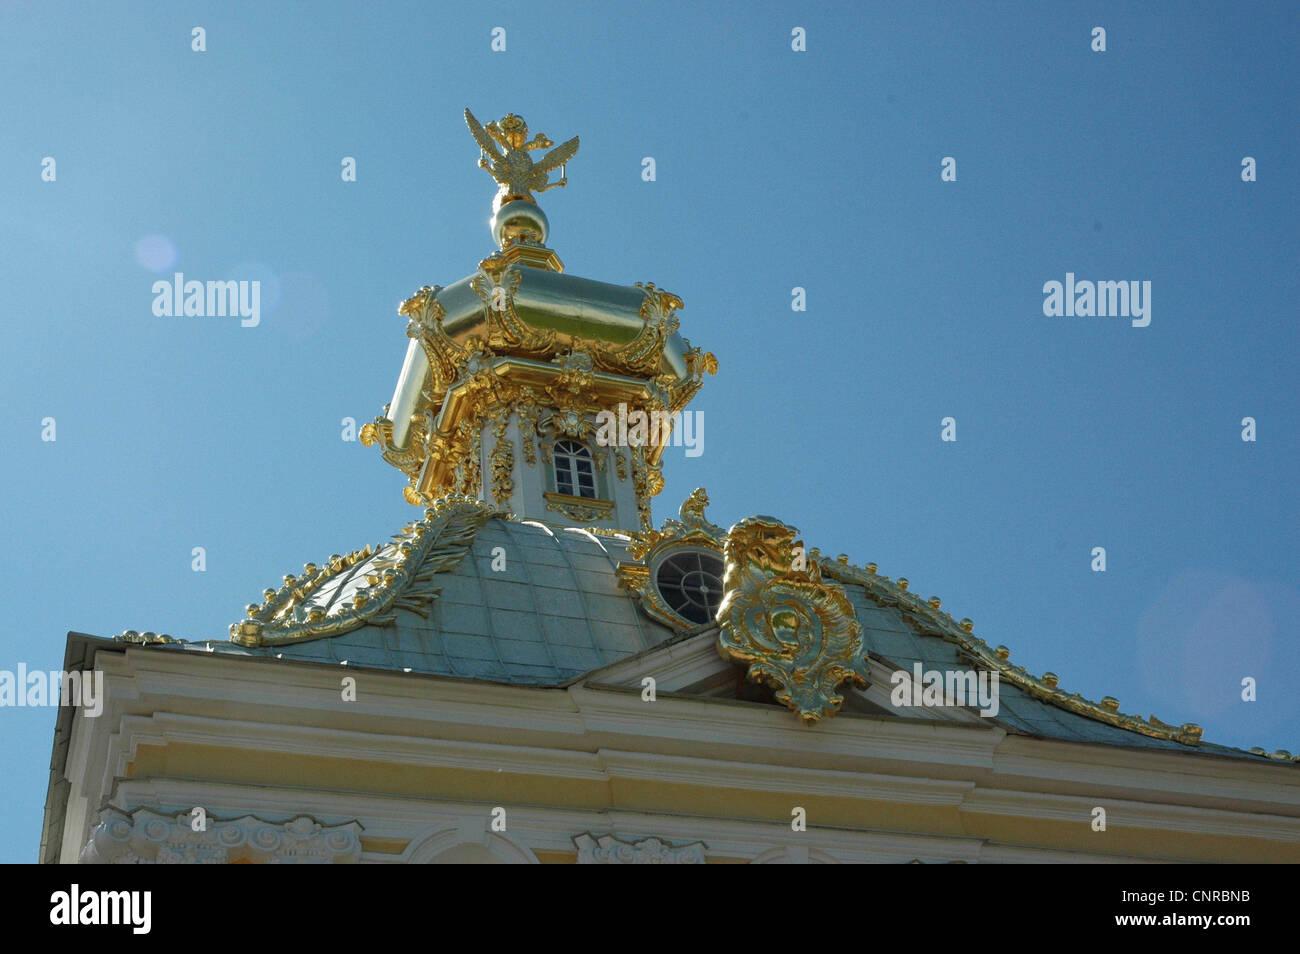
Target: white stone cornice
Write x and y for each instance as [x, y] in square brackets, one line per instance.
[677, 665]
[938, 773]
[551, 829]
[1123, 813]
[252, 683]
[753, 776]
[880, 693]
[673, 665]
[1194, 776]
[720, 723]
[329, 742]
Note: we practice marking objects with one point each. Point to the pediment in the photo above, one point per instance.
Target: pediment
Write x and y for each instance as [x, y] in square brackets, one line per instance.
[693, 667]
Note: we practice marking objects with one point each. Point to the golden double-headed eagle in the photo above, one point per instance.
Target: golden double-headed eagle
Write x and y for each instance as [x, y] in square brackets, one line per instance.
[515, 170]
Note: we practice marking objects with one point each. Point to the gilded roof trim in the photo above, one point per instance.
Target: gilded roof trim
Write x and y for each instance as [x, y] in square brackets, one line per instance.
[926, 616]
[399, 579]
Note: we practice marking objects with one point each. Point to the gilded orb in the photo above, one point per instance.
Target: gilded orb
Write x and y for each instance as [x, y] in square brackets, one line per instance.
[520, 219]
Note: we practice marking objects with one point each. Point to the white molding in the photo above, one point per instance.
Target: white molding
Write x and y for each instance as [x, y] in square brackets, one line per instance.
[713, 773]
[607, 734]
[549, 829]
[1132, 814]
[499, 845]
[331, 742]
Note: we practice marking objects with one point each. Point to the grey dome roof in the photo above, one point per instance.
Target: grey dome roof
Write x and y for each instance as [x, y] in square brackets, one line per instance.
[555, 612]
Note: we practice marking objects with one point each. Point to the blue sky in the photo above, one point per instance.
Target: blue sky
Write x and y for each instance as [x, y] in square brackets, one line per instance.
[775, 169]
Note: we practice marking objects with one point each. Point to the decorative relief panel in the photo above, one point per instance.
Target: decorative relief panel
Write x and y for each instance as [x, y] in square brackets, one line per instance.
[608, 850]
[145, 837]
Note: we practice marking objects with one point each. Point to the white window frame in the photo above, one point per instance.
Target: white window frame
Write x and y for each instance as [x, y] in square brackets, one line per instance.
[566, 455]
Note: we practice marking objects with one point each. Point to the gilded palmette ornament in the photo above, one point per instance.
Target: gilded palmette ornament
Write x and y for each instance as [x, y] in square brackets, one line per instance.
[797, 633]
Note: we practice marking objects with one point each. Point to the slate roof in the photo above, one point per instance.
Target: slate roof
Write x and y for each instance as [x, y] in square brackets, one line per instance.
[556, 612]
[890, 638]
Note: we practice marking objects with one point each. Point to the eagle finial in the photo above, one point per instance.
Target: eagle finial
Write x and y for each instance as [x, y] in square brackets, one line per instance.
[504, 149]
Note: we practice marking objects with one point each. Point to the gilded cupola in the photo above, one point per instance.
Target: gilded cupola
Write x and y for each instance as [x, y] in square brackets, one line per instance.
[509, 369]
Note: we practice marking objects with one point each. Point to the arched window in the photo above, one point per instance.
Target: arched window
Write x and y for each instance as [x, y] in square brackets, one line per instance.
[574, 473]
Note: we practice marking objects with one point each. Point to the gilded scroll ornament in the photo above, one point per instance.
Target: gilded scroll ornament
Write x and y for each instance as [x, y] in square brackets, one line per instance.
[502, 462]
[528, 412]
[641, 487]
[797, 633]
[581, 509]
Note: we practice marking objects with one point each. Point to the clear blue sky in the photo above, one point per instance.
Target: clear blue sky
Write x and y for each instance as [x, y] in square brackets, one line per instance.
[775, 169]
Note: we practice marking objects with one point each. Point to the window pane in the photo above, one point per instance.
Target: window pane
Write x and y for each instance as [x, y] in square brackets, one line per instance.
[691, 584]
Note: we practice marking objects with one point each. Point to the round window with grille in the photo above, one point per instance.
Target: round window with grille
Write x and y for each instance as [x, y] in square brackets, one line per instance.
[690, 582]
